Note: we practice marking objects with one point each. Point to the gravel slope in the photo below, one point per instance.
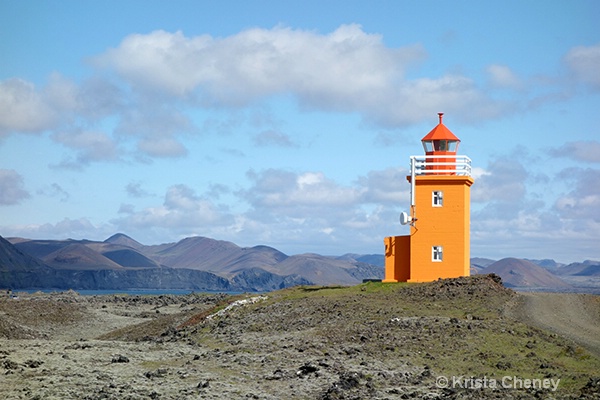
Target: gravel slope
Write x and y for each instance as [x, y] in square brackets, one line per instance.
[575, 316]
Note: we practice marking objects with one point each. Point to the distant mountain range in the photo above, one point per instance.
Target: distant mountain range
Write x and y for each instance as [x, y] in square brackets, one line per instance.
[204, 264]
[196, 263]
[523, 273]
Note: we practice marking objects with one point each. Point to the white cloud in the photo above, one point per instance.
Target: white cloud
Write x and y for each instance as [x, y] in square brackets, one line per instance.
[583, 202]
[156, 127]
[385, 187]
[79, 228]
[98, 98]
[588, 151]
[478, 172]
[55, 190]
[300, 208]
[346, 70]
[134, 189]
[273, 138]
[12, 189]
[294, 210]
[259, 62]
[90, 146]
[291, 194]
[531, 230]
[64, 96]
[502, 76]
[182, 212]
[584, 63]
[413, 101]
[23, 108]
[511, 221]
[162, 147]
[504, 180]
[161, 77]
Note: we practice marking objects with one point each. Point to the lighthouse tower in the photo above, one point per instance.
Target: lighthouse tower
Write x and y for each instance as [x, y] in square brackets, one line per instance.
[439, 242]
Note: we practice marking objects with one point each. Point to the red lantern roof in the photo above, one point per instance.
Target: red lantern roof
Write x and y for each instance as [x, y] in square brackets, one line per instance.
[440, 132]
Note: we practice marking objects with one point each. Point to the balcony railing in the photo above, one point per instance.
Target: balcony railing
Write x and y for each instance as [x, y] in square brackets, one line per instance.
[437, 165]
[440, 165]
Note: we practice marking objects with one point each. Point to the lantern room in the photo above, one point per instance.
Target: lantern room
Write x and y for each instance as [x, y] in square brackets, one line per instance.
[440, 140]
[440, 147]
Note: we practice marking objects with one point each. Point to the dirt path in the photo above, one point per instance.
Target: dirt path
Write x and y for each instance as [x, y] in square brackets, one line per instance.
[575, 316]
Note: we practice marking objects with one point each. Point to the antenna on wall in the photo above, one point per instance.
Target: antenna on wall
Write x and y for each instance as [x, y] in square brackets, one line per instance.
[405, 219]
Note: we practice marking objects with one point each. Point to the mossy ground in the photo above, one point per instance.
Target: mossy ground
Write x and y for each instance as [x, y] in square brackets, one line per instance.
[449, 328]
[374, 340]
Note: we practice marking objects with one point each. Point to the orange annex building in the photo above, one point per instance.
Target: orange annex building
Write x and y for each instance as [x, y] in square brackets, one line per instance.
[439, 242]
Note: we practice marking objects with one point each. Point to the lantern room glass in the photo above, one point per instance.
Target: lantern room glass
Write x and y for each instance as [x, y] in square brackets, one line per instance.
[440, 145]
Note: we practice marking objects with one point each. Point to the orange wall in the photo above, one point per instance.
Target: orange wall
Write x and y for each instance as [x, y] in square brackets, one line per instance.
[447, 226]
[397, 258]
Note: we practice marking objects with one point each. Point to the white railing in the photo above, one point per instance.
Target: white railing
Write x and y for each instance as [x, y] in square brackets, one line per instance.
[431, 165]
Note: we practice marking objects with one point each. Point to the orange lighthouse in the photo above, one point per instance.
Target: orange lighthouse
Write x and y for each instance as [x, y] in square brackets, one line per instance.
[439, 242]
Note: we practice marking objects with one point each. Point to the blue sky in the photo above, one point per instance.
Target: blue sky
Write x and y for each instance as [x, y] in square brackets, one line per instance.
[290, 124]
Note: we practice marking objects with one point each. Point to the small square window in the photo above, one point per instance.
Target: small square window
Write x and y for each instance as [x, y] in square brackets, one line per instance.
[437, 253]
[437, 199]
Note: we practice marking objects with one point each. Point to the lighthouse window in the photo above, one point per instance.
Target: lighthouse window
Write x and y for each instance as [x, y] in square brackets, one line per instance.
[440, 145]
[437, 199]
[437, 253]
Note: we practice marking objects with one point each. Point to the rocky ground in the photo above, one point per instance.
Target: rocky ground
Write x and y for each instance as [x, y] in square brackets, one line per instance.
[371, 341]
[574, 315]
